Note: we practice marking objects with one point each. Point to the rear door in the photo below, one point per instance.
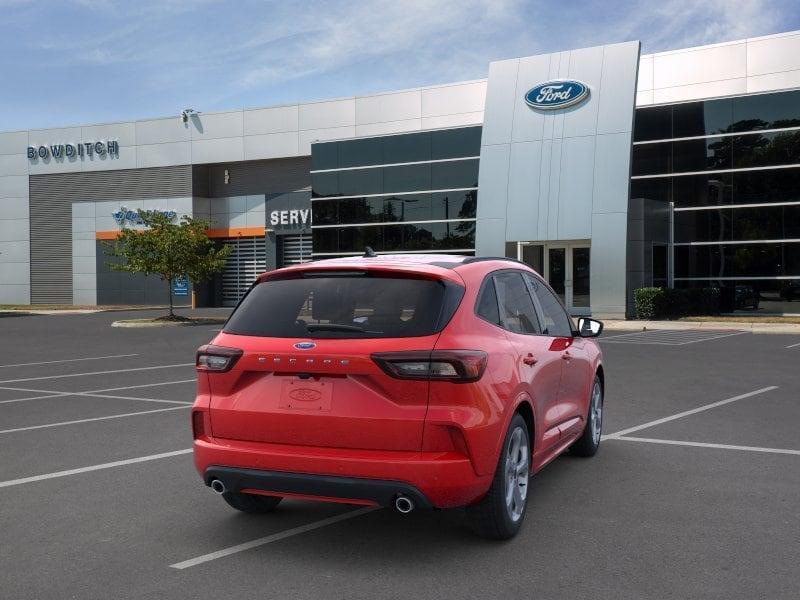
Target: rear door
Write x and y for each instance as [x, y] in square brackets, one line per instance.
[306, 376]
[538, 366]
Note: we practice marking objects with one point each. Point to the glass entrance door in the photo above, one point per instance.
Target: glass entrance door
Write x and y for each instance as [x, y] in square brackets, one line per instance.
[557, 272]
[567, 268]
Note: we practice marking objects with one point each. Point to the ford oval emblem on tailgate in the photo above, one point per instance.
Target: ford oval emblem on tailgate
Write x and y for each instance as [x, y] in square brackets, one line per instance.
[305, 345]
[305, 395]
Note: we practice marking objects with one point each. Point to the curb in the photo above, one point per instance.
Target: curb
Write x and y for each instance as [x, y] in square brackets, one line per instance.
[146, 323]
[753, 327]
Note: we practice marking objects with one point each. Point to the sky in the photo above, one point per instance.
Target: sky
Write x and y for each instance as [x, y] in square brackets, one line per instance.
[73, 62]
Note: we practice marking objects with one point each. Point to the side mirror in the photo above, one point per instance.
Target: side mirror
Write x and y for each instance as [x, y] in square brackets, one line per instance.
[589, 327]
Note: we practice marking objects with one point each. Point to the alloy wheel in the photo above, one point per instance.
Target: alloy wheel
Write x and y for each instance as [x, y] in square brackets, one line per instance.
[517, 470]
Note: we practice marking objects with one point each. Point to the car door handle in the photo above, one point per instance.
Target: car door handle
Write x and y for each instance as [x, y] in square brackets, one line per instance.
[566, 355]
[530, 359]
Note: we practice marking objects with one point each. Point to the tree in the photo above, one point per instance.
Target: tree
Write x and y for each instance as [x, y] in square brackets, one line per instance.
[169, 250]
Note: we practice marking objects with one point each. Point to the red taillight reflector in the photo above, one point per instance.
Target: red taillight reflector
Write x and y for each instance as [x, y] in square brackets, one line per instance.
[459, 366]
[198, 424]
[216, 359]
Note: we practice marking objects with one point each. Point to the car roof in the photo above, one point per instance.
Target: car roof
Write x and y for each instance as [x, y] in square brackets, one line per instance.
[444, 266]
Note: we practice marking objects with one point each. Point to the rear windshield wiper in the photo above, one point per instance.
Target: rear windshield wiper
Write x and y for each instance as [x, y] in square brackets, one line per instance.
[335, 327]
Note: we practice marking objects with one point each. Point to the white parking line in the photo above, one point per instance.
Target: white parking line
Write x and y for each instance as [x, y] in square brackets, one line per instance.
[671, 337]
[43, 397]
[707, 445]
[272, 538]
[793, 346]
[120, 416]
[95, 393]
[109, 465]
[686, 413]
[66, 360]
[191, 364]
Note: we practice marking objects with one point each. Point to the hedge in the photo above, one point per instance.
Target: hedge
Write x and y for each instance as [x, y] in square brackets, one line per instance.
[667, 303]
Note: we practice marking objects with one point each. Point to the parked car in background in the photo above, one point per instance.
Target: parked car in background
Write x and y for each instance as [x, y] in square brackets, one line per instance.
[790, 291]
[746, 297]
[410, 381]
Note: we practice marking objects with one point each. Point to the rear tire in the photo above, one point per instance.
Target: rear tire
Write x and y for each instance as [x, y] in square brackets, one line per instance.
[589, 442]
[499, 515]
[251, 503]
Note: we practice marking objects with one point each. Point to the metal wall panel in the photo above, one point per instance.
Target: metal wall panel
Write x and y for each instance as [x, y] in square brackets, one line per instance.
[259, 177]
[547, 176]
[51, 198]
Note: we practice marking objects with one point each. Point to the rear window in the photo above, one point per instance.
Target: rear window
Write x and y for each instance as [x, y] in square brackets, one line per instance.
[343, 306]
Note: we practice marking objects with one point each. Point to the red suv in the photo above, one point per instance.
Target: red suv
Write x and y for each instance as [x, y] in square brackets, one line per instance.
[404, 381]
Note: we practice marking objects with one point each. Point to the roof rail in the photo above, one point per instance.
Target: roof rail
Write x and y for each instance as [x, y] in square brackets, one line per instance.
[474, 259]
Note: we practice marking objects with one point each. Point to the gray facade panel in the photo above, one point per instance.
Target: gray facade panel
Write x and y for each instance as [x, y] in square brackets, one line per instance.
[259, 177]
[51, 198]
[576, 186]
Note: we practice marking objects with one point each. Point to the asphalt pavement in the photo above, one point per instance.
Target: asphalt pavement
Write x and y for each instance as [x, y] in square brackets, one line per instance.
[694, 493]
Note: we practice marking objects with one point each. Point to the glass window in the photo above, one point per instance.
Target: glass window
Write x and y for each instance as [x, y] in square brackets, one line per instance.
[408, 207]
[703, 225]
[360, 181]
[767, 149]
[653, 123]
[738, 260]
[456, 174]
[325, 156]
[517, 312]
[652, 159]
[414, 147]
[659, 188]
[771, 185]
[702, 118]
[325, 184]
[340, 307]
[486, 307]
[702, 155]
[766, 111]
[709, 189]
[325, 240]
[748, 295]
[325, 212]
[660, 264]
[454, 205]
[556, 321]
[454, 143]
[408, 178]
[357, 153]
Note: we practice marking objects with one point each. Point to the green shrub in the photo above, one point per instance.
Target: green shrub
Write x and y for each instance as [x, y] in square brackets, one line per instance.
[648, 302]
[666, 303]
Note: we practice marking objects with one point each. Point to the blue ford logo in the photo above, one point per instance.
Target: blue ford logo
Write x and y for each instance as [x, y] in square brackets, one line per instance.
[556, 94]
[305, 345]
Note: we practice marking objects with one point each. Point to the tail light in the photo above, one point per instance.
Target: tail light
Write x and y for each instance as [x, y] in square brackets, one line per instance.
[458, 366]
[217, 359]
[198, 424]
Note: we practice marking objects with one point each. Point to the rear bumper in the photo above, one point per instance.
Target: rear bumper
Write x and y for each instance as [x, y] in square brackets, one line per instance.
[432, 479]
[361, 491]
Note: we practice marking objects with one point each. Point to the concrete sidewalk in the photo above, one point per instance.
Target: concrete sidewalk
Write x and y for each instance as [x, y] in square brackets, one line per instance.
[751, 326]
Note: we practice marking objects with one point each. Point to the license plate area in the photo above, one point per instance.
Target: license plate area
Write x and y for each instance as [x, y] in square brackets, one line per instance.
[305, 394]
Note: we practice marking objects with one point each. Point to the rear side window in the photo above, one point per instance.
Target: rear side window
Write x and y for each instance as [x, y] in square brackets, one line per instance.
[516, 306]
[486, 308]
[556, 321]
[342, 306]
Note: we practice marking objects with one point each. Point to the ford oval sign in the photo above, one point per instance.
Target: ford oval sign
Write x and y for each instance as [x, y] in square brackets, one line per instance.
[556, 94]
[305, 345]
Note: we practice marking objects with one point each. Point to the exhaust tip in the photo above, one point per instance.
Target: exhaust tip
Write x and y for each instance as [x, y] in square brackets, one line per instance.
[403, 504]
[218, 486]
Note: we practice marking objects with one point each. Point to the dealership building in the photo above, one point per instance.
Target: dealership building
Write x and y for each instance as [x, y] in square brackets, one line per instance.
[604, 169]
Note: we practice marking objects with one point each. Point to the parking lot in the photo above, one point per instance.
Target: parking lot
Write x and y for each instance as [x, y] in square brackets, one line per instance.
[695, 492]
